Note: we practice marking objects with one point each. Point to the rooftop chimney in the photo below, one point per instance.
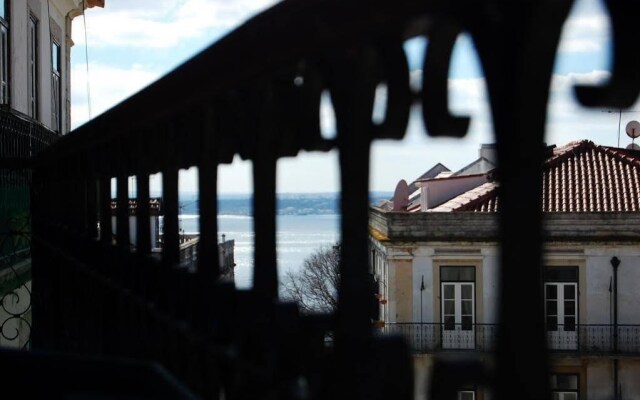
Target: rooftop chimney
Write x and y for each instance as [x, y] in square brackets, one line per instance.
[489, 151]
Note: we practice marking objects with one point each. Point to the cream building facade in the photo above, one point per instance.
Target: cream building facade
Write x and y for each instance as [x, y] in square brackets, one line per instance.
[438, 271]
[35, 101]
[35, 66]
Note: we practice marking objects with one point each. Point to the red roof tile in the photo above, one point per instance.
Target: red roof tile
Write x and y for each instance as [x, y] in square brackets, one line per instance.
[577, 177]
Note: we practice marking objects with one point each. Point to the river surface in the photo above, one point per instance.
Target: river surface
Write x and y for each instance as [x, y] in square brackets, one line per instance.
[298, 236]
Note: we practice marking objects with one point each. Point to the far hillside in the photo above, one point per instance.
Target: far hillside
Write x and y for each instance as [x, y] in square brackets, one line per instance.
[287, 203]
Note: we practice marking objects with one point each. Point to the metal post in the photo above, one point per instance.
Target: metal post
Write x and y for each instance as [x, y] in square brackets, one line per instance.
[421, 293]
[615, 263]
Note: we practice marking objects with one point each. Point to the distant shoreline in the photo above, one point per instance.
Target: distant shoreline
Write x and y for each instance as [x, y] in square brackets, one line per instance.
[286, 204]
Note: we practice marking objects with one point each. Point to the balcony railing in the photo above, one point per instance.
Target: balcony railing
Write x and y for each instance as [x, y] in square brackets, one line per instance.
[586, 339]
[21, 138]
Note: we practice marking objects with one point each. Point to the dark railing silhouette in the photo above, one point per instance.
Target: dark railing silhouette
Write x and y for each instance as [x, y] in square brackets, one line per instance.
[256, 93]
[21, 138]
[582, 339]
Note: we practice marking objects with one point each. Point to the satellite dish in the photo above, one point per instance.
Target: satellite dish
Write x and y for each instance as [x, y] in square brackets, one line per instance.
[401, 196]
[633, 146]
[633, 129]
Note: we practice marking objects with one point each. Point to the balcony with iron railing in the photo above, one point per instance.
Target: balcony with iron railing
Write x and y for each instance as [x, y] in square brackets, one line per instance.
[576, 340]
[21, 139]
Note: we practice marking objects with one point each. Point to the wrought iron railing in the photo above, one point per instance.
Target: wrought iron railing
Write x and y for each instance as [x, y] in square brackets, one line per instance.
[256, 94]
[21, 138]
[583, 339]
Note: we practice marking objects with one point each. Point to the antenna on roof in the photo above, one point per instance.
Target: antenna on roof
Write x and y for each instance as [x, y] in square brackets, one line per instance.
[633, 131]
[620, 111]
[401, 196]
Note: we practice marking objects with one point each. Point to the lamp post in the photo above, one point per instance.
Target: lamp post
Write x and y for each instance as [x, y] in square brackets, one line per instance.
[615, 263]
[421, 292]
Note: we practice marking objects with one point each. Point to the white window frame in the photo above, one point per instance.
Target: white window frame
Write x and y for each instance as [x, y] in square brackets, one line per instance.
[461, 335]
[464, 394]
[566, 393]
[4, 55]
[562, 335]
[561, 301]
[56, 86]
[33, 48]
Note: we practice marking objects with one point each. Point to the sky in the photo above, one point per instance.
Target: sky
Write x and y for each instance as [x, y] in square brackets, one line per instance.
[130, 44]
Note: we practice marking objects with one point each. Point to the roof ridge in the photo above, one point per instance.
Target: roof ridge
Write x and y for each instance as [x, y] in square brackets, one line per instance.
[620, 155]
[471, 204]
[566, 151]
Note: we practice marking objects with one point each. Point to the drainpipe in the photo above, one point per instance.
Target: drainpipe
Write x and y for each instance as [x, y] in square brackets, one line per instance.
[615, 262]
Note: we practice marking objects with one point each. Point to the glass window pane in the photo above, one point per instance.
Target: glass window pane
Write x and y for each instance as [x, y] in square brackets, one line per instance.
[562, 274]
[449, 307]
[569, 292]
[449, 323]
[466, 395]
[552, 307]
[570, 308]
[467, 292]
[55, 57]
[552, 323]
[552, 292]
[569, 324]
[458, 274]
[467, 323]
[449, 292]
[3, 9]
[467, 307]
[565, 381]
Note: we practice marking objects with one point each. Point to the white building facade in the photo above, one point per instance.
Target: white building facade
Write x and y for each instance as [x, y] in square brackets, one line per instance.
[438, 274]
[35, 53]
[35, 46]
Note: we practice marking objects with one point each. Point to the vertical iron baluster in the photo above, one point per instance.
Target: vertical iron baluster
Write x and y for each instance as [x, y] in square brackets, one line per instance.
[91, 215]
[352, 91]
[265, 274]
[143, 217]
[171, 238]
[352, 95]
[208, 259]
[518, 97]
[105, 209]
[122, 216]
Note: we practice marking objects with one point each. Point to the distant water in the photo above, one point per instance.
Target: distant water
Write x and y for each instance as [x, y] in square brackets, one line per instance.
[298, 236]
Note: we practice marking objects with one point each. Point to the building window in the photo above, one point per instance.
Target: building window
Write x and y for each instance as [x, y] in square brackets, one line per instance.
[561, 307]
[466, 395]
[33, 66]
[564, 387]
[4, 52]
[56, 114]
[457, 287]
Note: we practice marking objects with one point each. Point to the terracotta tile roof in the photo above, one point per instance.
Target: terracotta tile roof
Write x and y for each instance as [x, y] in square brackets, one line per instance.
[479, 195]
[577, 177]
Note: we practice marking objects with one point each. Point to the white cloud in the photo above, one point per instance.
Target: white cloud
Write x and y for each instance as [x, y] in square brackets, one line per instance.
[564, 82]
[163, 24]
[109, 85]
[585, 32]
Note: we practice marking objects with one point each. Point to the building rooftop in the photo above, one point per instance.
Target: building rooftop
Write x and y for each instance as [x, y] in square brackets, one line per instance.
[577, 177]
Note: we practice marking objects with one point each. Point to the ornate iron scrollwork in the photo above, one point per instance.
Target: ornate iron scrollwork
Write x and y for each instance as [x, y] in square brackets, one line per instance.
[15, 292]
